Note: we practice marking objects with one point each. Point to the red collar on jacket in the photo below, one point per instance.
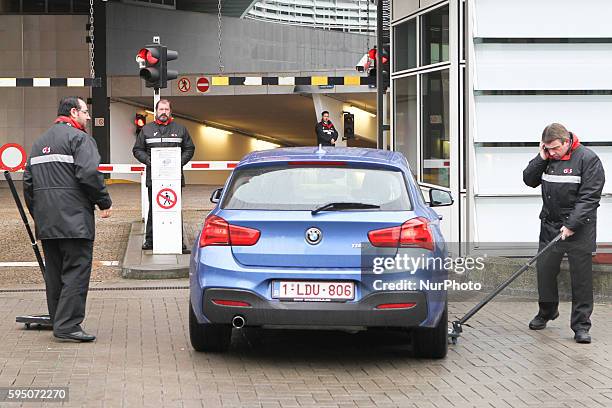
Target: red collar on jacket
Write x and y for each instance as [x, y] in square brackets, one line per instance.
[166, 123]
[68, 120]
[575, 145]
[327, 125]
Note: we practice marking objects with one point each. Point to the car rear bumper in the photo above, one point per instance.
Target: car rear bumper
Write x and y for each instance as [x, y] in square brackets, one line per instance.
[263, 312]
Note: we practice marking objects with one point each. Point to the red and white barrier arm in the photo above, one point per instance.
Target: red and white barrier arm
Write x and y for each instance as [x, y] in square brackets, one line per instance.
[192, 165]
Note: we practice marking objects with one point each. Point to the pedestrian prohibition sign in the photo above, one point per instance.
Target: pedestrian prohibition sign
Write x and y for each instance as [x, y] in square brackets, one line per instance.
[166, 198]
[184, 85]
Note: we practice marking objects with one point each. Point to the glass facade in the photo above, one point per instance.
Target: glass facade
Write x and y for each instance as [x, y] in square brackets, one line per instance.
[435, 128]
[434, 36]
[406, 112]
[405, 40]
[421, 97]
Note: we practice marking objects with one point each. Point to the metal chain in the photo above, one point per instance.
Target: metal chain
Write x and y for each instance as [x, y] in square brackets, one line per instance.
[221, 67]
[92, 71]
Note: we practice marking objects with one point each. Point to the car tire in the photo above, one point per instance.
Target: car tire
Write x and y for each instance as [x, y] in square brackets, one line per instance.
[208, 337]
[432, 342]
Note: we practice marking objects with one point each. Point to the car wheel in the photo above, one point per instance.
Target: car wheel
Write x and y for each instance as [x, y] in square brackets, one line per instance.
[432, 342]
[208, 337]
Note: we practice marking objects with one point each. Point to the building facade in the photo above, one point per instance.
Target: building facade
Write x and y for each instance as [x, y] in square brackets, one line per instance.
[475, 82]
[355, 16]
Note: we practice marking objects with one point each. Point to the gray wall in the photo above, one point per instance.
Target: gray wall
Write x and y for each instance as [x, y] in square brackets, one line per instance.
[247, 46]
[38, 46]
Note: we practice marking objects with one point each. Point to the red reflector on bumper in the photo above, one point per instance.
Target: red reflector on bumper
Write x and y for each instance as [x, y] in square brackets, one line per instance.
[236, 303]
[396, 306]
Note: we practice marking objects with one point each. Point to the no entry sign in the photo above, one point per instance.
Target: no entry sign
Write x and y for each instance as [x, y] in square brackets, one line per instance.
[166, 198]
[12, 157]
[202, 84]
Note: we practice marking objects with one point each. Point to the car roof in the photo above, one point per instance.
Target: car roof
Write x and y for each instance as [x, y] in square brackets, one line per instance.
[325, 153]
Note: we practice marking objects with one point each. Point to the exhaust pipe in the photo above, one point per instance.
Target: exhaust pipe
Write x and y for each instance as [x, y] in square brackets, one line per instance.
[238, 322]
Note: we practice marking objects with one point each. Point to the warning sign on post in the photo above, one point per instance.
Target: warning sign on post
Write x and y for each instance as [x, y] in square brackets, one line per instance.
[166, 198]
[12, 157]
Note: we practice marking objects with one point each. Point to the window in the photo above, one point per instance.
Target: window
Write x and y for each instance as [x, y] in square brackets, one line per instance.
[59, 6]
[435, 128]
[298, 188]
[33, 6]
[405, 44]
[434, 36]
[405, 120]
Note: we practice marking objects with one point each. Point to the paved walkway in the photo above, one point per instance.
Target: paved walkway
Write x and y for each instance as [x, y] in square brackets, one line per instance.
[143, 358]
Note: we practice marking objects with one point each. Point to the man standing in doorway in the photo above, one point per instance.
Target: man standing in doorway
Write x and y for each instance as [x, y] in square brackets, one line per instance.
[163, 132]
[61, 186]
[326, 132]
[572, 179]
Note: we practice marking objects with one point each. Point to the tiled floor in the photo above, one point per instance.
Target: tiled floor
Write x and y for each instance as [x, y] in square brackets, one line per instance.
[142, 357]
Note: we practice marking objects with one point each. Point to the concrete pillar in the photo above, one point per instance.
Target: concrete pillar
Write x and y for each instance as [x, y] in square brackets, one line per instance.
[335, 108]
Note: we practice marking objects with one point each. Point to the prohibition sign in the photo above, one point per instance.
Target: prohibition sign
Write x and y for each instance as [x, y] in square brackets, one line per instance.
[12, 157]
[166, 198]
[184, 85]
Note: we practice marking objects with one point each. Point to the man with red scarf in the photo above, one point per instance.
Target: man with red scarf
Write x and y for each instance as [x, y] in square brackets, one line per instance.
[572, 179]
[326, 132]
[61, 187]
[163, 132]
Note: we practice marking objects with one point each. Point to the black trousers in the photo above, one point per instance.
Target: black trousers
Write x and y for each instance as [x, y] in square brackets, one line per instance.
[581, 272]
[67, 272]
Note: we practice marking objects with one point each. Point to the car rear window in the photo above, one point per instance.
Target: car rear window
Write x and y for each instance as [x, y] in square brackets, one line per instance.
[301, 188]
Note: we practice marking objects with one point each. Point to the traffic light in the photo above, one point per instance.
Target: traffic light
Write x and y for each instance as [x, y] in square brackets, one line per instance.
[349, 126]
[153, 62]
[149, 60]
[385, 67]
[140, 120]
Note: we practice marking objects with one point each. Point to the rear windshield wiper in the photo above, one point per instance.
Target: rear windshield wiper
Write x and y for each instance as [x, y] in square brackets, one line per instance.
[343, 206]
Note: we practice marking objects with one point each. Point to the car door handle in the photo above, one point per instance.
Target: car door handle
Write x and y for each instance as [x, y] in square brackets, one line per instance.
[440, 217]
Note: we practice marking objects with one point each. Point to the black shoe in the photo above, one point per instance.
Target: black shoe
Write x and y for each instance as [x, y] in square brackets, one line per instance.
[539, 322]
[186, 250]
[78, 336]
[582, 336]
[147, 245]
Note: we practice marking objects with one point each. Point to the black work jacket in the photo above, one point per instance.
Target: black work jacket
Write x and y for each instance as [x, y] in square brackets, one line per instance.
[325, 133]
[62, 184]
[571, 191]
[170, 135]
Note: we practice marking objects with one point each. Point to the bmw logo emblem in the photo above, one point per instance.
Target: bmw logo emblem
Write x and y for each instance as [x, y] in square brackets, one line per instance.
[313, 236]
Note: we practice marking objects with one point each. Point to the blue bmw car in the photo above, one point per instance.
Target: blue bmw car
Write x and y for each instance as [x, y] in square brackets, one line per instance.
[320, 238]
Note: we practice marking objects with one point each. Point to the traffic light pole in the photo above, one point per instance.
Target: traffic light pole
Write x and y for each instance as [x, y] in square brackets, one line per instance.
[379, 76]
[155, 100]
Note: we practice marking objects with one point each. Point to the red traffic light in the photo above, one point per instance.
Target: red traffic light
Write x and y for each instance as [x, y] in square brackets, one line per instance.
[372, 53]
[140, 120]
[146, 55]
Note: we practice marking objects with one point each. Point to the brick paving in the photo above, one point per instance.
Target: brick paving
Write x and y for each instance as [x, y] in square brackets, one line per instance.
[143, 358]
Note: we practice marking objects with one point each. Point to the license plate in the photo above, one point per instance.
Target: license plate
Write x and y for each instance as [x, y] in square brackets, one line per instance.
[313, 290]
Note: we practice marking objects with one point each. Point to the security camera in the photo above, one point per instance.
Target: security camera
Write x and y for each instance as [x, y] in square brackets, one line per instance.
[364, 63]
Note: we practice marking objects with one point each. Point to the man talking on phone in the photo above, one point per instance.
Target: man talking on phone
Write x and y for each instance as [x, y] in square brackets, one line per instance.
[572, 179]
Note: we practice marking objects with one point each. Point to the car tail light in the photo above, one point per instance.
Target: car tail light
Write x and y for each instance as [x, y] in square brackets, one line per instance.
[396, 306]
[235, 303]
[413, 233]
[217, 231]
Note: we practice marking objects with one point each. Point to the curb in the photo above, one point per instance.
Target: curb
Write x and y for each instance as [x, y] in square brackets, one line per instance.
[134, 268]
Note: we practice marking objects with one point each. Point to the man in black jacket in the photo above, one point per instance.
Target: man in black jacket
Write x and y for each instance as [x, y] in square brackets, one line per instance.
[326, 132]
[572, 179]
[61, 186]
[164, 132]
